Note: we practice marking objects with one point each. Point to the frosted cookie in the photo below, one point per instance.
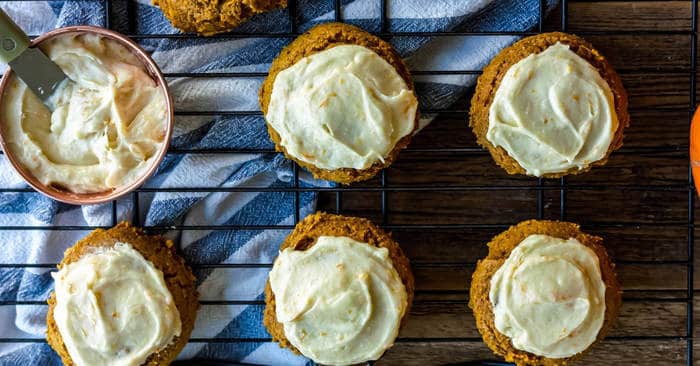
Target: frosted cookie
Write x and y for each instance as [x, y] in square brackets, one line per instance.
[339, 290]
[548, 106]
[545, 293]
[340, 102]
[121, 298]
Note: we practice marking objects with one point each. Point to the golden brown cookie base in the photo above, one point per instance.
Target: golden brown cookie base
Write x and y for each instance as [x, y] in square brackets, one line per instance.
[159, 251]
[209, 17]
[491, 78]
[319, 38]
[499, 250]
[322, 224]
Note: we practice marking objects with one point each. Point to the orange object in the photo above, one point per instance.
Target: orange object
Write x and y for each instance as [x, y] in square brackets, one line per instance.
[695, 148]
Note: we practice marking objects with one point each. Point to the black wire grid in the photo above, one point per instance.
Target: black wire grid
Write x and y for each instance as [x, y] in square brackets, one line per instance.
[384, 186]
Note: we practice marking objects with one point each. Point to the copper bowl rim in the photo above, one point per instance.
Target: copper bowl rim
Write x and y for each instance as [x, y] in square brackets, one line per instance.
[96, 197]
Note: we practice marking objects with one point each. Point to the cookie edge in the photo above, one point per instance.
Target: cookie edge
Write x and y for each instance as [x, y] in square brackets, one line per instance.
[320, 38]
[177, 274]
[500, 248]
[491, 78]
[304, 236]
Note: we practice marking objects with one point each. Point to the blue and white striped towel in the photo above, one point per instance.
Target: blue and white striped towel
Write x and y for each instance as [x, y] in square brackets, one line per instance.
[23, 289]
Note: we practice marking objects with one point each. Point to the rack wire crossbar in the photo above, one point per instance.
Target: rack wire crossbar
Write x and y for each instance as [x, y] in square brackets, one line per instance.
[539, 186]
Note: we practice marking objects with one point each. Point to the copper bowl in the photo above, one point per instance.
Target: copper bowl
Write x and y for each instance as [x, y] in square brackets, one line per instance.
[97, 197]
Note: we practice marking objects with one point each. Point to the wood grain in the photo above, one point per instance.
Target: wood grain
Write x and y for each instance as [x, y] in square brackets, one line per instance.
[629, 15]
[638, 202]
[610, 352]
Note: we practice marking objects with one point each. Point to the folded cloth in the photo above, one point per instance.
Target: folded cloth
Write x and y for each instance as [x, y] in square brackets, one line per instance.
[249, 217]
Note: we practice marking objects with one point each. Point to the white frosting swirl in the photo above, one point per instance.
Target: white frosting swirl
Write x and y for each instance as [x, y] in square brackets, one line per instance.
[548, 297]
[553, 112]
[107, 126]
[114, 308]
[341, 301]
[344, 107]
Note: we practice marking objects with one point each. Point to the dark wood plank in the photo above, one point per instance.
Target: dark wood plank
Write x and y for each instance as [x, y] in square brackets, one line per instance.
[452, 277]
[634, 15]
[648, 127]
[645, 243]
[440, 169]
[449, 318]
[650, 250]
[609, 352]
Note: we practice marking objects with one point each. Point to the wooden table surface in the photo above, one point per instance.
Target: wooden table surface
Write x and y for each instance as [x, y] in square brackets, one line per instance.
[638, 202]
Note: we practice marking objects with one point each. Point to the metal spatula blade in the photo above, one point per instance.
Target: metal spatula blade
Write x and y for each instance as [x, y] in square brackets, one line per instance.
[42, 76]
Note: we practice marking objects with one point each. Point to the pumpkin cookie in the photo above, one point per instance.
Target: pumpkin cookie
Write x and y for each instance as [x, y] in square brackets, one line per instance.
[121, 297]
[340, 102]
[209, 17]
[548, 106]
[339, 290]
[545, 293]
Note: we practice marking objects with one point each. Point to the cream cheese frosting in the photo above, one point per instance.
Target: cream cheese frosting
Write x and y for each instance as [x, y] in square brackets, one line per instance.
[107, 127]
[341, 301]
[553, 112]
[548, 297]
[114, 308]
[344, 107]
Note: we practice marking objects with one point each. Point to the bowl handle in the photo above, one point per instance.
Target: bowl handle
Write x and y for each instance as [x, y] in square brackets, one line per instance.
[13, 40]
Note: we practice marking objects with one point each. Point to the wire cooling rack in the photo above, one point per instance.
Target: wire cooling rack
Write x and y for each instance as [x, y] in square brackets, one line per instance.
[333, 198]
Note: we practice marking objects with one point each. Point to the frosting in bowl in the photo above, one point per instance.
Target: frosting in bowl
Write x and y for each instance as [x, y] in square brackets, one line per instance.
[548, 296]
[341, 301]
[107, 127]
[344, 107]
[114, 308]
[553, 112]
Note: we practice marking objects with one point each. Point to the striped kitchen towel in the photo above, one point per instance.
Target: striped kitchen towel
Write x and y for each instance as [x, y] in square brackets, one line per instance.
[249, 217]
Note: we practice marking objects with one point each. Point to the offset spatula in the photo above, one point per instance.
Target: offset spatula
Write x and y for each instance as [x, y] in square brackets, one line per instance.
[42, 76]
